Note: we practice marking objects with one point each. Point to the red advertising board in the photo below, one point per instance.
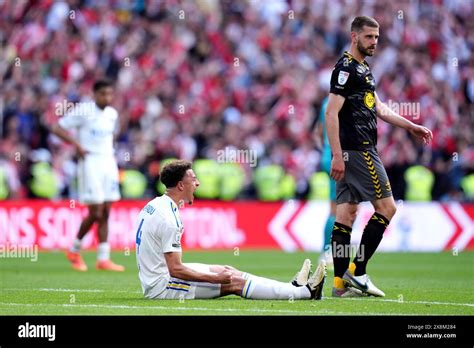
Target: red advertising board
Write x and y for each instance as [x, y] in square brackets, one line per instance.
[290, 225]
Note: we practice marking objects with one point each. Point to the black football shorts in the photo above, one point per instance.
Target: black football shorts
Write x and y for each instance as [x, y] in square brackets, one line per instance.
[364, 179]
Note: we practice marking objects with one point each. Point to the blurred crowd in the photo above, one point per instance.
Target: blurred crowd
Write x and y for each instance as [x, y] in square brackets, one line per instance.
[194, 77]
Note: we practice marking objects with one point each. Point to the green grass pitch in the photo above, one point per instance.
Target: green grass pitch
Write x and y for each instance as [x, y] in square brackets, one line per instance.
[414, 283]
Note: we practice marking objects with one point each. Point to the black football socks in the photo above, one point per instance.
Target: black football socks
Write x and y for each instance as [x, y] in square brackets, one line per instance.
[340, 242]
[371, 239]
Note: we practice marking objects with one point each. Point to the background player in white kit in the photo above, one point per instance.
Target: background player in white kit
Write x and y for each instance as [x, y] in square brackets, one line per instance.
[98, 176]
[162, 273]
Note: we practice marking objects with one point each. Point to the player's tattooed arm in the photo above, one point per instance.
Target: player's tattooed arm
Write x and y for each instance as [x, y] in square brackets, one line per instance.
[388, 115]
[335, 103]
[179, 270]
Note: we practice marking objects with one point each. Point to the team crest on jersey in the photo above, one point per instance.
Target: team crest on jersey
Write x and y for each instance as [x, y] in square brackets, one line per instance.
[342, 77]
[369, 100]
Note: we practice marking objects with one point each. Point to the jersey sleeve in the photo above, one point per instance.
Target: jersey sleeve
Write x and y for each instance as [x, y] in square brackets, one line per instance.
[341, 80]
[73, 119]
[171, 239]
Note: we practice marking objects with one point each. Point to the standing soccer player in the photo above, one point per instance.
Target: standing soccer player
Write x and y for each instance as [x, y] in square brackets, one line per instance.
[351, 117]
[162, 273]
[98, 172]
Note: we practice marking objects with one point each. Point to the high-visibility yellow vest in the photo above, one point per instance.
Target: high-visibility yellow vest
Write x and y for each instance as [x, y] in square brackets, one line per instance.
[232, 179]
[133, 184]
[3, 185]
[267, 182]
[319, 186]
[44, 183]
[467, 185]
[207, 172]
[419, 181]
[287, 187]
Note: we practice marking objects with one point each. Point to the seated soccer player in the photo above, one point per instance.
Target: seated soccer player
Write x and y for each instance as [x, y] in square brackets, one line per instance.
[164, 276]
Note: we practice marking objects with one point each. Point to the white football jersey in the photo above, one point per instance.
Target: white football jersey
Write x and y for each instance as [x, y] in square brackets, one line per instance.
[95, 127]
[159, 230]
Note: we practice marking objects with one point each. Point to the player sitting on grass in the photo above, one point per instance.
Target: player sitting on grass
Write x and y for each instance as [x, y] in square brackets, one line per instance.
[164, 276]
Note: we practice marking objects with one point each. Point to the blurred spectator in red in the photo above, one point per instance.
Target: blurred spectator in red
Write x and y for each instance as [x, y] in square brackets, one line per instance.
[193, 77]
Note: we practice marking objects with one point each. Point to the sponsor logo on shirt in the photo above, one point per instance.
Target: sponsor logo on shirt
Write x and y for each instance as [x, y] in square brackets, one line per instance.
[369, 100]
[100, 132]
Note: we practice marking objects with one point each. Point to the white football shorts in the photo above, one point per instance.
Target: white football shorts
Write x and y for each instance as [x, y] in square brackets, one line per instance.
[98, 179]
[182, 289]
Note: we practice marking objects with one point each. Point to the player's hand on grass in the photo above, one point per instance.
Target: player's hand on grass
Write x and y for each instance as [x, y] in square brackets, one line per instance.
[224, 277]
[337, 167]
[422, 132]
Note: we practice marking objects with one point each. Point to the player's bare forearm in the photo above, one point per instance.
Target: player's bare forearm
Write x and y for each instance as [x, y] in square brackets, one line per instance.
[332, 127]
[389, 116]
[179, 270]
[332, 123]
[185, 273]
[63, 135]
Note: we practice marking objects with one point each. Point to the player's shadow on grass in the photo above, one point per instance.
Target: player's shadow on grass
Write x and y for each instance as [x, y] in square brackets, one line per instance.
[141, 300]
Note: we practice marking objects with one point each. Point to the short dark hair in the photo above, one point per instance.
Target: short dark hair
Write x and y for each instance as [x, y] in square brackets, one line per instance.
[359, 22]
[99, 84]
[174, 172]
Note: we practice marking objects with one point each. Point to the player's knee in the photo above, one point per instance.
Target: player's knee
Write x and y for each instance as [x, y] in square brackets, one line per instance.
[346, 216]
[348, 219]
[388, 210]
[96, 214]
[391, 211]
[352, 217]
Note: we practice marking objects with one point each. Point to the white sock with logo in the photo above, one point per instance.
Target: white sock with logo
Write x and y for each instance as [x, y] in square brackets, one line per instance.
[261, 290]
[103, 251]
[76, 246]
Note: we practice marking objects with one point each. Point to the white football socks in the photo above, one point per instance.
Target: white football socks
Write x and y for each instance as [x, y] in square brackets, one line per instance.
[261, 290]
[103, 251]
[76, 246]
[250, 276]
